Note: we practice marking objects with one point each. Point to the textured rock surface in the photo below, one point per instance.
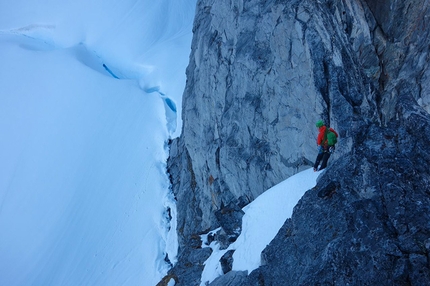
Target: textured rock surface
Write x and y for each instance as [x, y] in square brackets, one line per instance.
[375, 230]
[260, 74]
[230, 219]
[401, 40]
[232, 278]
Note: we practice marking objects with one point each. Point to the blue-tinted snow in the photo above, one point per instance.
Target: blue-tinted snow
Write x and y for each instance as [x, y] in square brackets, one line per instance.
[83, 189]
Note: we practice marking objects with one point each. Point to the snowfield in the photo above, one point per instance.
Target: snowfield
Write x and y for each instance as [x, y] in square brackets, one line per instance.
[90, 93]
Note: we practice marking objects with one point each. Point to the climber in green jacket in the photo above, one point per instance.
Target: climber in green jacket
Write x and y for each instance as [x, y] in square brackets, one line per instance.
[326, 141]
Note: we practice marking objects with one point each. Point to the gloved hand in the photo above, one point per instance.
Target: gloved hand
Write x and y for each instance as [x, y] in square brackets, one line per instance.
[331, 149]
[320, 149]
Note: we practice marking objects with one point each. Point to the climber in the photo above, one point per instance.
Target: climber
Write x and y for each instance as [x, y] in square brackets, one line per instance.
[326, 141]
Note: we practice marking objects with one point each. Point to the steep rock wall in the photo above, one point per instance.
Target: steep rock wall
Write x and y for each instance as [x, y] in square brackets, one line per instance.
[375, 227]
[261, 73]
[401, 40]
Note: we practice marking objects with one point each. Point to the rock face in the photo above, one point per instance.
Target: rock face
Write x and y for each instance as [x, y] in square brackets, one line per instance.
[261, 74]
[375, 229]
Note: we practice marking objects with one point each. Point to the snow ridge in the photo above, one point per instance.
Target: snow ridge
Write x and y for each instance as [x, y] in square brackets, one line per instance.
[262, 220]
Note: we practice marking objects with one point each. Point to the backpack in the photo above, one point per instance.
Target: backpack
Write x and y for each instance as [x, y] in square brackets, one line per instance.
[331, 138]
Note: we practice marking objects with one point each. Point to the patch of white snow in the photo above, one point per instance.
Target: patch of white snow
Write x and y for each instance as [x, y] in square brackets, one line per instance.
[262, 220]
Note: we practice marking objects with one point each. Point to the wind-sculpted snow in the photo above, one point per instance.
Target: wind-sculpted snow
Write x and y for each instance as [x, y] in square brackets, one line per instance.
[141, 40]
[41, 38]
[84, 198]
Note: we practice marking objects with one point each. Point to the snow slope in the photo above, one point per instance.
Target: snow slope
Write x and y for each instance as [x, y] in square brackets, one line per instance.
[262, 220]
[90, 92]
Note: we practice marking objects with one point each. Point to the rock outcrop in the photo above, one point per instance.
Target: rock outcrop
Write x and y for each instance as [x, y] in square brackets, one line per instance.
[375, 228]
[260, 74]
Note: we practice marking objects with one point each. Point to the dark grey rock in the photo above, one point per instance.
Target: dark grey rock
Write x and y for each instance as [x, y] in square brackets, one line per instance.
[189, 269]
[226, 261]
[232, 278]
[374, 229]
[223, 239]
[230, 219]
